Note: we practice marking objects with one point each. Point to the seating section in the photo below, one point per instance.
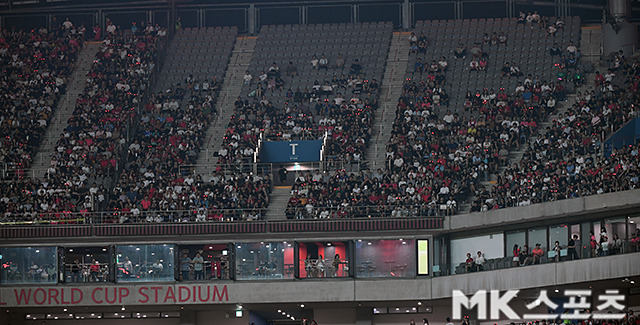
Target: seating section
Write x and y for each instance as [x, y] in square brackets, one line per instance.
[462, 114]
[526, 46]
[200, 53]
[299, 95]
[441, 149]
[36, 67]
[567, 160]
[171, 131]
[88, 150]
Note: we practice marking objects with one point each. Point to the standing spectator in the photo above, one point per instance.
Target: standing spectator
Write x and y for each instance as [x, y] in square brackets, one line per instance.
[198, 266]
[571, 248]
[185, 266]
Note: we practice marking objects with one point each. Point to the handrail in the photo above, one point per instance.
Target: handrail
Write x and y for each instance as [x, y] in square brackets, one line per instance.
[203, 215]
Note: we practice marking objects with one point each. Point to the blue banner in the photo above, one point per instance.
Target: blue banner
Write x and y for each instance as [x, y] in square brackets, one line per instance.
[627, 135]
[290, 151]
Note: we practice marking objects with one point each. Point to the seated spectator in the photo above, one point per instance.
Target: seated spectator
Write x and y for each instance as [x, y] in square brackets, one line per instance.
[474, 64]
[460, 52]
[482, 64]
[247, 78]
[506, 70]
[502, 39]
[555, 50]
[469, 264]
[443, 64]
[476, 51]
[355, 68]
[314, 62]
[525, 257]
[537, 254]
[422, 43]
[340, 62]
[291, 70]
[323, 63]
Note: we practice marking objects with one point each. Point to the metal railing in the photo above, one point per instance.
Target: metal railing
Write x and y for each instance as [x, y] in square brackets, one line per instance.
[204, 214]
[370, 211]
[132, 217]
[631, 245]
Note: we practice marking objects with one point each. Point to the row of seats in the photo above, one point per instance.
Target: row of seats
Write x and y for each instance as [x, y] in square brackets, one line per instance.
[36, 67]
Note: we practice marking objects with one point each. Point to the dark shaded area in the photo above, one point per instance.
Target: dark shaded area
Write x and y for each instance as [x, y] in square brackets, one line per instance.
[124, 19]
[77, 18]
[548, 11]
[26, 22]
[369, 13]
[161, 18]
[433, 11]
[188, 18]
[226, 17]
[278, 16]
[326, 14]
[496, 9]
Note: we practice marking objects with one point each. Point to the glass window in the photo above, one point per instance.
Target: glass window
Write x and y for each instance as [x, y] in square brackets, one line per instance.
[29, 265]
[86, 264]
[490, 246]
[537, 236]
[205, 262]
[560, 234]
[514, 238]
[264, 260]
[143, 263]
[323, 259]
[385, 258]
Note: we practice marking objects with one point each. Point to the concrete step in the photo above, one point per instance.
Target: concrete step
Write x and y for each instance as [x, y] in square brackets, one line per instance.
[278, 203]
[65, 108]
[240, 59]
[397, 60]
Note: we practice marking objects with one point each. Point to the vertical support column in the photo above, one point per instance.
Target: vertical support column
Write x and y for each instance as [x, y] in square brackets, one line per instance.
[100, 21]
[49, 20]
[150, 16]
[303, 14]
[200, 18]
[354, 13]
[406, 15]
[458, 12]
[251, 19]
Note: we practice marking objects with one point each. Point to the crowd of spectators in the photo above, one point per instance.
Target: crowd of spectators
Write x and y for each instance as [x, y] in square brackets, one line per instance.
[88, 149]
[342, 108]
[36, 67]
[567, 159]
[436, 156]
[171, 131]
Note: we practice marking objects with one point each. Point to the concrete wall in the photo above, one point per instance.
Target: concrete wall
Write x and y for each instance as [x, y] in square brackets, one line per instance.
[535, 276]
[608, 203]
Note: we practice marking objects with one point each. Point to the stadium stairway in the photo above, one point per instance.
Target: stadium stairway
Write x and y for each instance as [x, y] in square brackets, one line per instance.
[278, 203]
[242, 54]
[516, 156]
[591, 44]
[397, 61]
[65, 108]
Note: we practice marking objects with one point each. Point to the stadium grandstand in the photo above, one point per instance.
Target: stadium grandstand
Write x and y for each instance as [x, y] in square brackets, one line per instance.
[366, 162]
